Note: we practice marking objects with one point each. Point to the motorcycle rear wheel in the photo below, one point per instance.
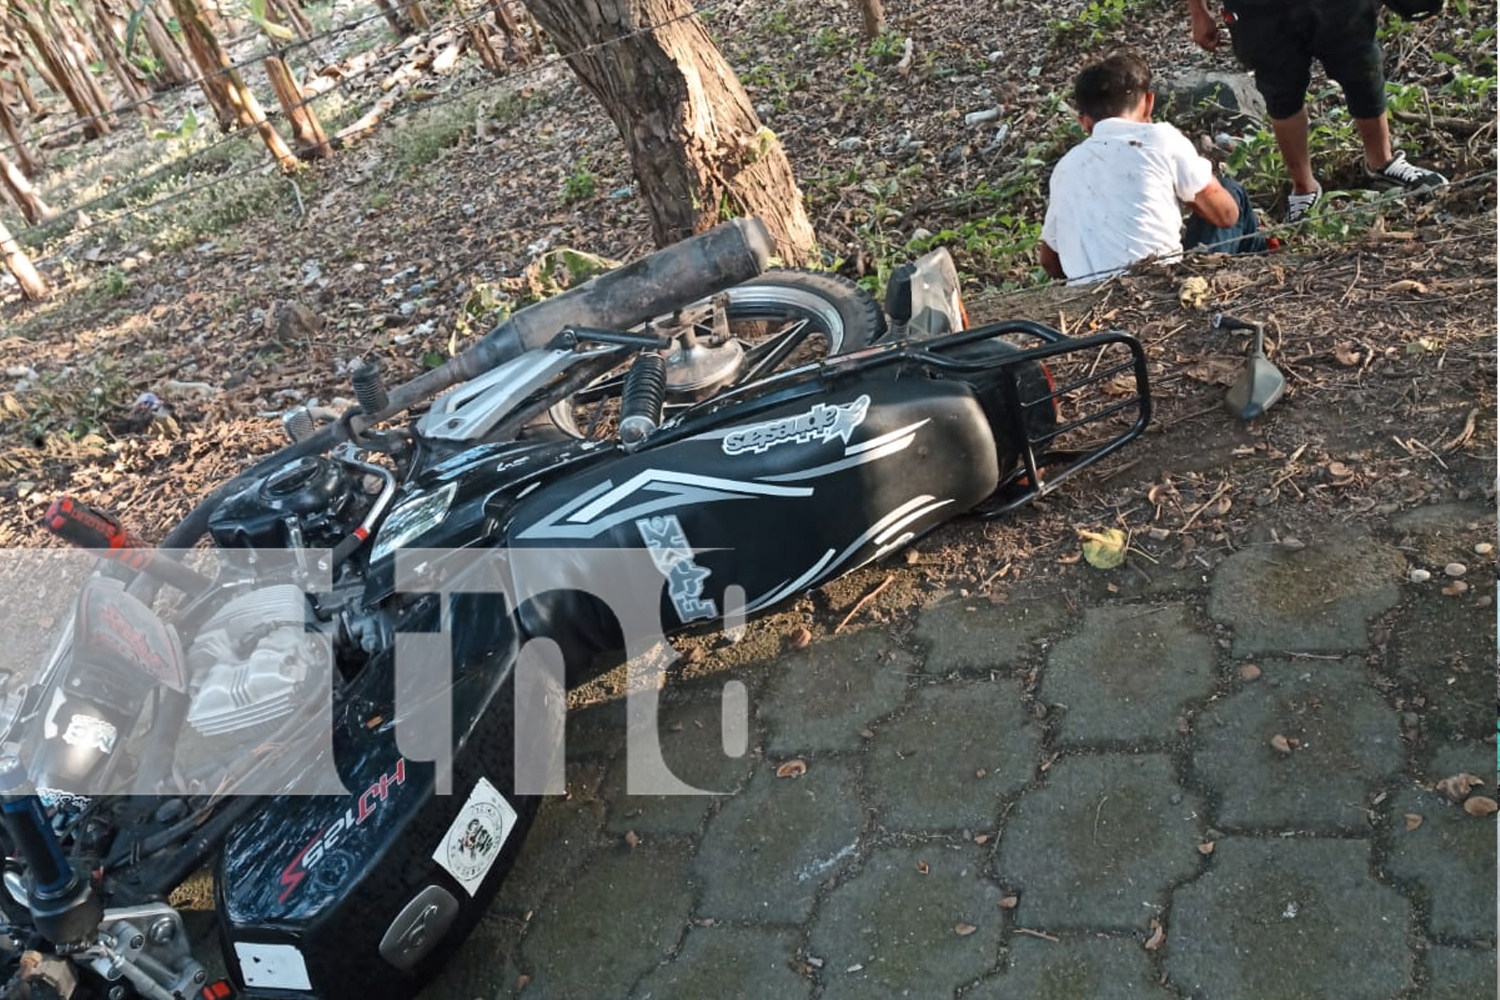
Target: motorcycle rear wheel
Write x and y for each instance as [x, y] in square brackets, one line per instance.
[837, 314]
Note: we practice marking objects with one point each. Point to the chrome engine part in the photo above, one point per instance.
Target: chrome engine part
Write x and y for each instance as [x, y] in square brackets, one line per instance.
[250, 660]
[147, 947]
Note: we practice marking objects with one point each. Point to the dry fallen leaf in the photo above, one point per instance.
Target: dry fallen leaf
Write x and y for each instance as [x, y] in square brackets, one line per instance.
[1158, 936]
[1281, 744]
[1206, 848]
[1104, 549]
[792, 769]
[1193, 293]
[1413, 820]
[1215, 371]
[1347, 355]
[1480, 806]
[1458, 786]
[801, 638]
[1250, 672]
[964, 930]
[981, 838]
[631, 839]
[1009, 902]
[1407, 285]
[1338, 470]
[923, 868]
[522, 981]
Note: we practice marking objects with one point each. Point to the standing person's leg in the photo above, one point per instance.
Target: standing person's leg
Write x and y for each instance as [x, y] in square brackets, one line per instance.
[1346, 43]
[1242, 237]
[1277, 44]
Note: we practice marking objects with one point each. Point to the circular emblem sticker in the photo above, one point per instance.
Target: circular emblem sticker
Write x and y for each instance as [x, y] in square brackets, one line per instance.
[473, 841]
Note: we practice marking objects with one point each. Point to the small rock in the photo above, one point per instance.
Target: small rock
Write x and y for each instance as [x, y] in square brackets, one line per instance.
[980, 117]
[850, 144]
[1281, 744]
[1293, 544]
[1455, 569]
[1483, 549]
[1419, 576]
[1480, 806]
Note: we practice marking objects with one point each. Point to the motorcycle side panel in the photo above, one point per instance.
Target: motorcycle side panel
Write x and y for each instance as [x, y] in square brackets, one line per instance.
[773, 504]
[350, 896]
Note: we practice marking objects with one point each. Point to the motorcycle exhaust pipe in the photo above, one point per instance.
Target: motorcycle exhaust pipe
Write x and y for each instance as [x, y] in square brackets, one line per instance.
[699, 267]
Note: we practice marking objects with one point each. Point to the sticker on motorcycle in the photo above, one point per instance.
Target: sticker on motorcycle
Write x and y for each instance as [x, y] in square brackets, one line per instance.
[90, 731]
[469, 849]
[313, 853]
[673, 556]
[822, 423]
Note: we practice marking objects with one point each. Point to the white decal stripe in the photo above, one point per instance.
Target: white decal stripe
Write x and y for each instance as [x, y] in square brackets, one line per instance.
[790, 588]
[843, 463]
[876, 442]
[653, 478]
[886, 535]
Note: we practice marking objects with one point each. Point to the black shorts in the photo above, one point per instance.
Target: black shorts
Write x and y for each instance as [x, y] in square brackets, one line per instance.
[1279, 40]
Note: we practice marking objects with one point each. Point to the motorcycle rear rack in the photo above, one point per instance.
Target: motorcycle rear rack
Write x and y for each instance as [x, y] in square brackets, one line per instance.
[1043, 466]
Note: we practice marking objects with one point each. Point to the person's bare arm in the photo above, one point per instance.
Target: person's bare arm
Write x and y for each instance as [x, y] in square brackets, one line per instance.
[1205, 28]
[1216, 206]
[1051, 262]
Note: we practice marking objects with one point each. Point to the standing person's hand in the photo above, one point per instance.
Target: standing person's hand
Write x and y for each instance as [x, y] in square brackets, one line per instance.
[1205, 27]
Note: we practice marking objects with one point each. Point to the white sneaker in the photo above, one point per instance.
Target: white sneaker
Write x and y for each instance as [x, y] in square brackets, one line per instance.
[1298, 205]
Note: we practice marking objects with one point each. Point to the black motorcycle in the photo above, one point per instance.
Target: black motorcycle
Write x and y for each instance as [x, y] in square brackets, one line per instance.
[732, 438]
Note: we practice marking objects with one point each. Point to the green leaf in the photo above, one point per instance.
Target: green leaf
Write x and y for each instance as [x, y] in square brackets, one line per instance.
[1104, 549]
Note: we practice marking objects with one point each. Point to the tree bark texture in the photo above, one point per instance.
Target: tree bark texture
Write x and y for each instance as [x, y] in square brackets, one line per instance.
[33, 285]
[172, 62]
[214, 64]
[699, 152]
[872, 12]
[25, 158]
[307, 131]
[32, 206]
[60, 71]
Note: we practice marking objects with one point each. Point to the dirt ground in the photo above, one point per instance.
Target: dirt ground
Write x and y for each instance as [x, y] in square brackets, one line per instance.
[1387, 340]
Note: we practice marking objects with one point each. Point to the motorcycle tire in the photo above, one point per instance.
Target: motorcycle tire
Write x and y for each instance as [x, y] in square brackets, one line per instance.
[842, 317]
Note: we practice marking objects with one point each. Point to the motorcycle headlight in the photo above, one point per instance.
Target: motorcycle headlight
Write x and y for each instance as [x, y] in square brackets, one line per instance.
[411, 520]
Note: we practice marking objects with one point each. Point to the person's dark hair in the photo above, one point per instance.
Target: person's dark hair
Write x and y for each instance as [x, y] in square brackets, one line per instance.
[1112, 87]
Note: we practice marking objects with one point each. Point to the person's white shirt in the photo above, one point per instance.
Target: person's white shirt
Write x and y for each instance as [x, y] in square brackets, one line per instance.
[1116, 198]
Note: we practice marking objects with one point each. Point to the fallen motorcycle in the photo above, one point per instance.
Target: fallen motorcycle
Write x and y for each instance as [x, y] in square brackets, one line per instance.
[749, 435]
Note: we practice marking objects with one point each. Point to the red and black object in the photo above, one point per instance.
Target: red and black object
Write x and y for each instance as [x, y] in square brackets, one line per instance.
[221, 990]
[86, 528]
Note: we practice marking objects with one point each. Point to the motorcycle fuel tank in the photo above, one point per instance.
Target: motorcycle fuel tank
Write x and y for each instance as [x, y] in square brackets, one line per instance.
[770, 499]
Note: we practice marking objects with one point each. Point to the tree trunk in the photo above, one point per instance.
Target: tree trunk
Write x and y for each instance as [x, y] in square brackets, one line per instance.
[418, 14]
[59, 68]
[214, 64]
[172, 61]
[80, 55]
[394, 18]
[292, 14]
[29, 164]
[513, 35]
[873, 14]
[132, 83]
[699, 152]
[33, 285]
[32, 206]
[18, 75]
[307, 131]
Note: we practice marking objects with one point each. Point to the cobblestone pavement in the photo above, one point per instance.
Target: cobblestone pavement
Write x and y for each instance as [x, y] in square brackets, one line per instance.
[1209, 784]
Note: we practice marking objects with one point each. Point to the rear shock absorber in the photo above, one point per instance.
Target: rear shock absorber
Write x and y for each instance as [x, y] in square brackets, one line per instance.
[642, 399]
[63, 905]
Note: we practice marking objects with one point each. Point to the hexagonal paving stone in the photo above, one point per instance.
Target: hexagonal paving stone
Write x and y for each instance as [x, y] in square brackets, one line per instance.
[622, 915]
[1319, 598]
[1443, 648]
[1348, 740]
[768, 851]
[1099, 842]
[1126, 671]
[1290, 919]
[747, 963]
[560, 840]
[892, 931]
[973, 634]
[692, 747]
[1452, 854]
[1075, 968]
[945, 763]
[825, 694]
[1458, 973]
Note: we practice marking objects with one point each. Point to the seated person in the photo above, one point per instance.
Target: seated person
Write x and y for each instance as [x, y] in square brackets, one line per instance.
[1116, 197]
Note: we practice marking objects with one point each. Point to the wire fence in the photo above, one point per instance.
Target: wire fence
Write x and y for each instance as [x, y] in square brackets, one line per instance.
[513, 80]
